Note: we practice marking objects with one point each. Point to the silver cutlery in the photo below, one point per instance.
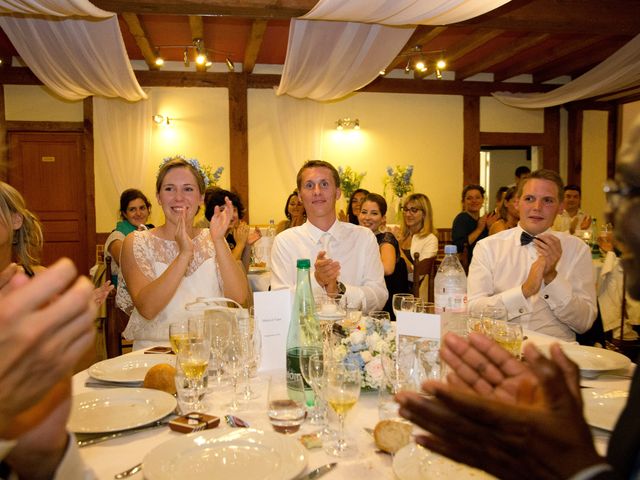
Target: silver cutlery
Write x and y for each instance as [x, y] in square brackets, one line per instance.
[92, 382]
[86, 441]
[235, 422]
[318, 472]
[136, 468]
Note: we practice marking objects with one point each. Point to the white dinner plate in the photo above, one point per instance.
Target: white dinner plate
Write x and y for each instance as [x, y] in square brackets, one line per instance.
[412, 462]
[243, 454]
[592, 360]
[128, 368]
[603, 406]
[115, 409]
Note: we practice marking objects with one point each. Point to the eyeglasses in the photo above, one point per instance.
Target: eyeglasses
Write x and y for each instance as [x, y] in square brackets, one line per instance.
[615, 191]
[411, 209]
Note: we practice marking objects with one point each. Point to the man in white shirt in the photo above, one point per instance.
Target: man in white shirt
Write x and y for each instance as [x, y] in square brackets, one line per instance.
[346, 256]
[572, 218]
[544, 279]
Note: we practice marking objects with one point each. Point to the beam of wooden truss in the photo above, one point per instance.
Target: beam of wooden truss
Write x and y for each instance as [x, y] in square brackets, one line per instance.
[505, 53]
[591, 57]
[258, 28]
[142, 39]
[532, 63]
[236, 8]
[476, 40]
[420, 37]
[196, 26]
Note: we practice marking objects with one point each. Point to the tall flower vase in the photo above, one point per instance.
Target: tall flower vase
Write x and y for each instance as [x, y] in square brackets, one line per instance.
[395, 209]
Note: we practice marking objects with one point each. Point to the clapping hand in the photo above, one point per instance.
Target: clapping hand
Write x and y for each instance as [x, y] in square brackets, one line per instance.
[549, 247]
[220, 220]
[184, 241]
[326, 272]
[514, 421]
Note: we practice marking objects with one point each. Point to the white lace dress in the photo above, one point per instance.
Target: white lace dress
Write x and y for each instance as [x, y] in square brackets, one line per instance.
[153, 255]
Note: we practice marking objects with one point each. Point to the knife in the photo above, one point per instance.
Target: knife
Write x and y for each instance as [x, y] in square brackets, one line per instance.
[318, 472]
[123, 433]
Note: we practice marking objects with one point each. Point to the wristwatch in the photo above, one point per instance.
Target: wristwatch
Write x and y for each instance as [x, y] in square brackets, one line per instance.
[341, 288]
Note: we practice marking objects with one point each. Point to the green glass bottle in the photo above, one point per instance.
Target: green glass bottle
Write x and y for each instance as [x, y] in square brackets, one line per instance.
[304, 338]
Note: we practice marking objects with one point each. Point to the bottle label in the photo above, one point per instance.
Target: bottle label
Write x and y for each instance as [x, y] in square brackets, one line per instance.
[451, 302]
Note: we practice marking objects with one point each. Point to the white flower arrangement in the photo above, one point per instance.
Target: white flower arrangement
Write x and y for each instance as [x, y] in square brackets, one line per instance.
[363, 344]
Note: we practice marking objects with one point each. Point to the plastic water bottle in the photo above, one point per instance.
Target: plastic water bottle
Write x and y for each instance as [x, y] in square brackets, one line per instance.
[450, 284]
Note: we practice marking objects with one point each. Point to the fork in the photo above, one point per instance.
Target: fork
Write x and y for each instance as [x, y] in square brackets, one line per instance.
[136, 468]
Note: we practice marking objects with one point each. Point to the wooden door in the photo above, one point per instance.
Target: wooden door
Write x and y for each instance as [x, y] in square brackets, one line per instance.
[48, 169]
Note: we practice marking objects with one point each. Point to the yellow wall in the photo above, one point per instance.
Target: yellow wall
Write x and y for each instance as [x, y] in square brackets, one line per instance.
[594, 163]
[630, 113]
[498, 117]
[38, 104]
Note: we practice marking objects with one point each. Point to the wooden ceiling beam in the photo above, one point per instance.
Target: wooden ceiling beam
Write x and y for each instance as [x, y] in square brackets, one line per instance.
[139, 33]
[535, 62]
[485, 64]
[258, 27]
[422, 36]
[476, 40]
[591, 57]
[235, 8]
[565, 16]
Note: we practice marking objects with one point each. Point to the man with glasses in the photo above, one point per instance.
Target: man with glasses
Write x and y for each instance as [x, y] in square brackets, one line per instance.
[524, 420]
[346, 257]
[543, 279]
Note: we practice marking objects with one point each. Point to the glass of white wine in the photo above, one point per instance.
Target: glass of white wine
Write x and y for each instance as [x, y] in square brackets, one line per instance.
[178, 334]
[508, 335]
[193, 359]
[342, 393]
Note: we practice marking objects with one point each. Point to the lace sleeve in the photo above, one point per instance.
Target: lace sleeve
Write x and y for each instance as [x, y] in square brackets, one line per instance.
[143, 253]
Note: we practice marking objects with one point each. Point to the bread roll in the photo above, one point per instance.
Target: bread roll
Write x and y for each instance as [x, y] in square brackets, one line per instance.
[391, 435]
[161, 377]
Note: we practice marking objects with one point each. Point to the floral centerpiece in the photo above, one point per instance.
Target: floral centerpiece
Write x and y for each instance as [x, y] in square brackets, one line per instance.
[210, 177]
[399, 181]
[364, 344]
[349, 181]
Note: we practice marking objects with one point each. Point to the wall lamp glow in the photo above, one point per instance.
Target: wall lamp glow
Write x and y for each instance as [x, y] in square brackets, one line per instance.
[348, 123]
[160, 119]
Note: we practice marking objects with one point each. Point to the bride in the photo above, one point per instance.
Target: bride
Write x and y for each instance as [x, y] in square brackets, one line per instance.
[171, 265]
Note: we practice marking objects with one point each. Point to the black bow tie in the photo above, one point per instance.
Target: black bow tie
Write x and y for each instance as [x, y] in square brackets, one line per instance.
[526, 239]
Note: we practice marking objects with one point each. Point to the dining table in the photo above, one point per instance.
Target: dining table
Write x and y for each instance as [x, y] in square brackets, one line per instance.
[113, 456]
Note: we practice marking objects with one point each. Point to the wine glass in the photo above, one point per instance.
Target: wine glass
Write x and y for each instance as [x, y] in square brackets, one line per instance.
[251, 340]
[178, 334]
[193, 359]
[508, 335]
[218, 329]
[396, 301]
[234, 358]
[342, 393]
[306, 354]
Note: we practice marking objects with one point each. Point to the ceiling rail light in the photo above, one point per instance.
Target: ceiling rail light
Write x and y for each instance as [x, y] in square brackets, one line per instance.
[348, 123]
[197, 53]
[423, 62]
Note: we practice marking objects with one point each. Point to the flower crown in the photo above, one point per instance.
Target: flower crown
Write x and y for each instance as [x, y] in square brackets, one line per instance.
[194, 163]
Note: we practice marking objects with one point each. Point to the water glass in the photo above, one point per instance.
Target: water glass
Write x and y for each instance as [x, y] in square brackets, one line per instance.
[408, 304]
[396, 301]
[286, 403]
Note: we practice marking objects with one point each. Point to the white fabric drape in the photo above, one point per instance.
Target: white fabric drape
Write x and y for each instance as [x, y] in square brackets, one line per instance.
[300, 125]
[75, 57]
[621, 70]
[402, 12]
[124, 140]
[62, 8]
[328, 60]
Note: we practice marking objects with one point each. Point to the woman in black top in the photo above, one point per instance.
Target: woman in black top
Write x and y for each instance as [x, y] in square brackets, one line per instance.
[373, 216]
[469, 226]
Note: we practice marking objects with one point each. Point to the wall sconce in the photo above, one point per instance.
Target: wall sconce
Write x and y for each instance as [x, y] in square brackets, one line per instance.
[160, 120]
[348, 123]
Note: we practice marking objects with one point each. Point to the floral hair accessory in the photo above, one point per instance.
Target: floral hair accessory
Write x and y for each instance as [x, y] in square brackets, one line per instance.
[210, 178]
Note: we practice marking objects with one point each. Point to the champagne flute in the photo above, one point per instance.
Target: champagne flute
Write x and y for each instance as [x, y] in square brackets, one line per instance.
[218, 329]
[306, 353]
[234, 357]
[342, 393]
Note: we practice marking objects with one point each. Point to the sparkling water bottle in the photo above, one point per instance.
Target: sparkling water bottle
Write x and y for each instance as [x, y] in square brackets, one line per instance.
[450, 284]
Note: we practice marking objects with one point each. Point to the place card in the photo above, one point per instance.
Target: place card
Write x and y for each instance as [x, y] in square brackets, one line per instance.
[272, 311]
[424, 325]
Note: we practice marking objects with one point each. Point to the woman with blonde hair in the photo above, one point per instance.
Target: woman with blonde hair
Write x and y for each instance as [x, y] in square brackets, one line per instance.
[175, 263]
[417, 234]
[508, 212]
[20, 232]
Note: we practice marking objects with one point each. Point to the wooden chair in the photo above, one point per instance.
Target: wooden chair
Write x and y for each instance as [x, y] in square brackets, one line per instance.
[115, 323]
[422, 269]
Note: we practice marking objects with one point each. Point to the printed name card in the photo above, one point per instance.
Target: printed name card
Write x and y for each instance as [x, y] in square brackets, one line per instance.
[273, 313]
[423, 325]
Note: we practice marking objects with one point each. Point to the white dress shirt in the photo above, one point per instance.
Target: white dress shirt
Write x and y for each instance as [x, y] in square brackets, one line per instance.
[567, 305]
[356, 249]
[426, 246]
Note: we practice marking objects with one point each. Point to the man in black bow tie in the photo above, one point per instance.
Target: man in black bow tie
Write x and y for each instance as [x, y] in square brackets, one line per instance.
[544, 279]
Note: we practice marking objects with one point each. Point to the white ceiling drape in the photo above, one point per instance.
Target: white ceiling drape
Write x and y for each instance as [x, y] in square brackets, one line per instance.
[74, 56]
[621, 70]
[402, 12]
[327, 60]
[63, 8]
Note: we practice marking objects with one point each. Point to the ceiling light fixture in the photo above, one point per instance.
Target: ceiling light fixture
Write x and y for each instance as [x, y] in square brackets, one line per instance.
[348, 123]
[197, 53]
[230, 66]
[423, 62]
